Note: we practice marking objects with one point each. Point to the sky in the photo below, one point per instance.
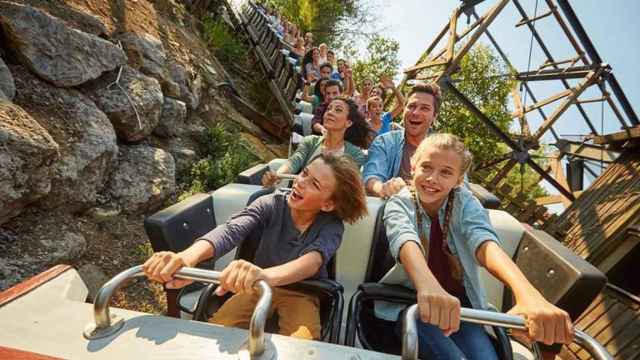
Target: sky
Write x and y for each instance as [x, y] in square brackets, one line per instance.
[613, 27]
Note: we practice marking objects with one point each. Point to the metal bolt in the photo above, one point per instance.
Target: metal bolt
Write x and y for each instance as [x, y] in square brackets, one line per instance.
[550, 273]
[185, 226]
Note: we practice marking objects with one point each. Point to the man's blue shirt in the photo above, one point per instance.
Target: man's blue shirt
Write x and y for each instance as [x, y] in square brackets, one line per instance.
[385, 156]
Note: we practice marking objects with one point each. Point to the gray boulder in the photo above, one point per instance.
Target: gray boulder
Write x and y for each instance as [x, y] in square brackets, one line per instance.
[7, 86]
[189, 91]
[134, 112]
[87, 140]
[184, 158]
[143, 180]
[174, 112]
[145, 53]
[27, 155]
[59, 54]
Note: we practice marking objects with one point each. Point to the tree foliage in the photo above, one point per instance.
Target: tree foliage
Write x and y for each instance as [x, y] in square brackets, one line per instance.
[334, 22]
[481, 78]
[381, 60]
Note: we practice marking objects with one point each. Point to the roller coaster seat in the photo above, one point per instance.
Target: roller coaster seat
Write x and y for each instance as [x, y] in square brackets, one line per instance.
[576, 283]
[167, 230]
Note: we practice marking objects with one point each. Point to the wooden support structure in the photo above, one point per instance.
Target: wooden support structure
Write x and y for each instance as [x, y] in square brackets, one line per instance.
[554, 199]
[631, 134]
[587, 151]
[575, 92]
[442, 59]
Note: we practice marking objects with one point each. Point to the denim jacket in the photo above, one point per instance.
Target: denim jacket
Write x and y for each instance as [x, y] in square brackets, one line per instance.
[469, 228]
[385, 156]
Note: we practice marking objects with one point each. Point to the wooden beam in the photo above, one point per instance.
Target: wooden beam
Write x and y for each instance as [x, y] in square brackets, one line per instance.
[575, 92]
[490, 16]
[587, 151]
[412, 70]
[629, 134]
[544, 102]
[502, 173]
[453, 35]
[520, 114]
[558, 174]
[554, 199]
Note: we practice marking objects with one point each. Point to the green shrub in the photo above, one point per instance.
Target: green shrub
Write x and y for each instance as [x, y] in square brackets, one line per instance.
[224, 157]
[221, 38]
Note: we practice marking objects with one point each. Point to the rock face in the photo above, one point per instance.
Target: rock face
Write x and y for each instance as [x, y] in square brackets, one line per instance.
[59, 54]
[132, 123]
[184, 158]
[7, 86]
[190, 94]
[27, 154]
[42, 242]
[85, 135]
[144, 178]
[146, 53]
[174, 112]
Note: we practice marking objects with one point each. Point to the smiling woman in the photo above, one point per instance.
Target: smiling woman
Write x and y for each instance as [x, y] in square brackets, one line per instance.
[347, 132]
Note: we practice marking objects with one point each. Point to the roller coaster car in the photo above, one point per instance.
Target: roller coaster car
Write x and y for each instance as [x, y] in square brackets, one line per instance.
[562, 277]
[45, 316]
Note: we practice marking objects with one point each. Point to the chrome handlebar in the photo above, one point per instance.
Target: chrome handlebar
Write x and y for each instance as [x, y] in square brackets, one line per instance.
[106, 325]
[483, 317]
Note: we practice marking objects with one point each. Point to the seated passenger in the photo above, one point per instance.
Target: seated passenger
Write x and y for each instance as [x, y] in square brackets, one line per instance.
[298, 48]
[439, 233]
[388, 168]
[308, 40]
[311, 65]
[342, 66]
[379, 90]
[346, 133]
[324, 49]
[325, 71]
[332, 89]
[331, 59]
[318, 93]
[381, 122]
[300, 230]
[363, 95]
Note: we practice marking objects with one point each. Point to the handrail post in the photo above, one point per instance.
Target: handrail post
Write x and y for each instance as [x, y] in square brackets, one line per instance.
[107, 325]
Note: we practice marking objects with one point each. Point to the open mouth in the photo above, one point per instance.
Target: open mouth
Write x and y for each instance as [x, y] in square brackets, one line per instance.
[295, 195]
[430, 190]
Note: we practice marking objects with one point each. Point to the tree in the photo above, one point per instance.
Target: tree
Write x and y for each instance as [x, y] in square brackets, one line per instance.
[381, 60]
[334, 22]
[483, 79]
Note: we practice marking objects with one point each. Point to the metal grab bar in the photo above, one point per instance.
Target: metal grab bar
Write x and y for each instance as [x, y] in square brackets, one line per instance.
[483, 317]
[106, 325]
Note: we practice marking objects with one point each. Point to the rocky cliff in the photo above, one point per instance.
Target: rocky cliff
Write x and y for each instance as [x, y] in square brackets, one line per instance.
[101, 106]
